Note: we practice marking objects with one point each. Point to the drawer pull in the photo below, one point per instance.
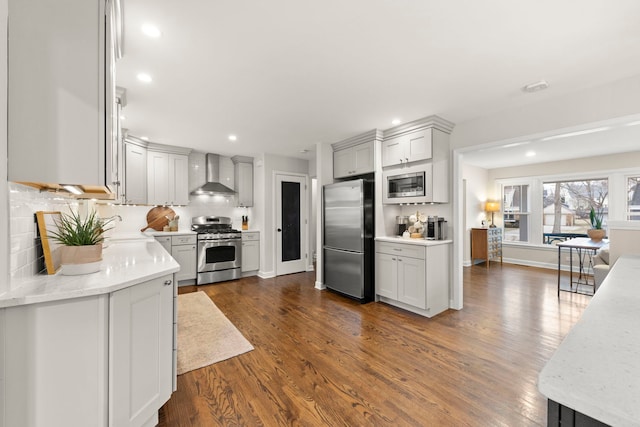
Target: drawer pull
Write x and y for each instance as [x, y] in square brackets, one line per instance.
[397, 249]
[168, 282]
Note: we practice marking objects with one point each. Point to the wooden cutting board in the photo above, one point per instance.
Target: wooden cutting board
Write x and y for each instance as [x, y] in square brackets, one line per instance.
[157, 217]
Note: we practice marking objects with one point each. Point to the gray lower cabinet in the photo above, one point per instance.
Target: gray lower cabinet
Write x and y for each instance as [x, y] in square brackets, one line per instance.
[413, 277]
[184, 249]
[250, 251]
[104, 360]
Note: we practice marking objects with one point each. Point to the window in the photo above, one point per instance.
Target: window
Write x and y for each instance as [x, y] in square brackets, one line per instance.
[566, 206]
[633, 198]
[515, 210]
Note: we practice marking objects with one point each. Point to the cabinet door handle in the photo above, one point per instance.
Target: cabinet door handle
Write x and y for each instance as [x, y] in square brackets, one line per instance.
[399, 259]
[401, 160]
[406, 159]
[168, 282]
[393, 259]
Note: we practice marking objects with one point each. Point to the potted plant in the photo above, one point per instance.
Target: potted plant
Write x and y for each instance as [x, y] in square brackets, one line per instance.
[81, 242]
[596, 233]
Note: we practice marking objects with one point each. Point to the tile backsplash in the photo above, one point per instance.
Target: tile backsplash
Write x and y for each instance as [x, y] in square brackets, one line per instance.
[24, 202]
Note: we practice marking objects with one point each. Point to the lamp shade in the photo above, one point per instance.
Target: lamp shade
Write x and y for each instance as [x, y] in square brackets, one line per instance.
[492, 207]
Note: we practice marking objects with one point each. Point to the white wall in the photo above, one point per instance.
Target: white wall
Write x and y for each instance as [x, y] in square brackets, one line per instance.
[324, 174]
[475, 188]
[4, 197]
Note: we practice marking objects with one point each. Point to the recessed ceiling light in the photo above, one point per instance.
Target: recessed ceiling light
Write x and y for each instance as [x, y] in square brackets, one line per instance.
[530, 153]
[535, 87]
[151, 30]
[396, 122]
[577, 133]
[145, 138]
[233, 138]
[144, 77]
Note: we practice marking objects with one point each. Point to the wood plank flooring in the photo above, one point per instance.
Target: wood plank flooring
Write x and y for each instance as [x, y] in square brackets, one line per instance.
[323, 360]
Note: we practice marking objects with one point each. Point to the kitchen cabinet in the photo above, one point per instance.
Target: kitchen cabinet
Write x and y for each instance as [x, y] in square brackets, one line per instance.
[486, 244]
[59, 72]
[250, 251]
[355, 160]
[165, 241]
[135, 176]
[412, 276]
[141, 327]
[102, 360]
[184, 251]
[243, 167]
[411, 147]
[417, 147]
[183, 248]
[355, 156]
[167, 177]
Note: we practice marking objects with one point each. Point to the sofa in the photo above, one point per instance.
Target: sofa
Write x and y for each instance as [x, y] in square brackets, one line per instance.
[600, 266]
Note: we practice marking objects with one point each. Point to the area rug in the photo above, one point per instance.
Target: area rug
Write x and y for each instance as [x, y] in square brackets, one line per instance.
[205, 335]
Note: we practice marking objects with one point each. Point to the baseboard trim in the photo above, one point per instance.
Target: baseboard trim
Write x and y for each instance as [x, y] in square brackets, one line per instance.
[266, 274]
[547, 265]
[320, 286]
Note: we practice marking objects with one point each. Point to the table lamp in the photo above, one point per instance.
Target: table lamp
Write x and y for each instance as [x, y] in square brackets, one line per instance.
[492, 207]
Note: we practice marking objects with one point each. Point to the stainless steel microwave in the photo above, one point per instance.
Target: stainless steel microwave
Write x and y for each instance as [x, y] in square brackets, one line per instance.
[405, 185]
[408, 185]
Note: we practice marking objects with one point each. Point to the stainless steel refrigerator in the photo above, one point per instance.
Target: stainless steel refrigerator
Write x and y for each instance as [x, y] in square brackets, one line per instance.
[348, 249]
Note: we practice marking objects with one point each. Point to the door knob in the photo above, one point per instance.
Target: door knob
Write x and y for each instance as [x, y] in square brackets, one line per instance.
[279, 230]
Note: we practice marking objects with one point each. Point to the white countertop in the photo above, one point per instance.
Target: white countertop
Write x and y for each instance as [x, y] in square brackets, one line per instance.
[410, 241]
[170, 233]
[596, 369]
[124, 263]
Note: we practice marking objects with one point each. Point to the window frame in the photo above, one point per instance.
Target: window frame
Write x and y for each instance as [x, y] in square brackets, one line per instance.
[617, 179]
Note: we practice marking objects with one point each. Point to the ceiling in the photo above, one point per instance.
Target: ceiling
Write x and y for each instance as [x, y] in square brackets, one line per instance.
[285, 75]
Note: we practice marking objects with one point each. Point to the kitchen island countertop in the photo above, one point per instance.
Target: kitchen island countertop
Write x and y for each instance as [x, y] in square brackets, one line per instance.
[124, 263]
[595, 369]
[410, 241]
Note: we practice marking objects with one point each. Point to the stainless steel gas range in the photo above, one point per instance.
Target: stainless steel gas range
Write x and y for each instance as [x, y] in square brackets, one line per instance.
[219, 249]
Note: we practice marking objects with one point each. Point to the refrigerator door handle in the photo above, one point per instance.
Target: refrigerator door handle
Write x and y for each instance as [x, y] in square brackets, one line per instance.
[342, 250]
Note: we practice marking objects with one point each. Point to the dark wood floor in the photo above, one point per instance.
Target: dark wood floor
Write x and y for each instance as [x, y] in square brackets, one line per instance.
[321, 359]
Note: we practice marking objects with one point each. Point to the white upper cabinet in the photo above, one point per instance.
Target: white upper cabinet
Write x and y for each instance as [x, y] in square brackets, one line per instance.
[135, 177]
[167, 175]
[57, 65]
[407, 148]
[243, 180]
[355, 156]
[416, 141]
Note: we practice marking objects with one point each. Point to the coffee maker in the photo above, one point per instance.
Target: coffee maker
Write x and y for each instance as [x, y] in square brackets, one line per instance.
[402, 223]
[436, 228]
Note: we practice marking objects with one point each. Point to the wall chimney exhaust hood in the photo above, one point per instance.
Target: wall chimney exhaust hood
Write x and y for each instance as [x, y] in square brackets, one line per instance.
[213, 185]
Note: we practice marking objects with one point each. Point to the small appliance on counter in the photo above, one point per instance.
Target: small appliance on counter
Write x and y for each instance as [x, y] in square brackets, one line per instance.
[436, 228]
[402, 224]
